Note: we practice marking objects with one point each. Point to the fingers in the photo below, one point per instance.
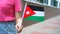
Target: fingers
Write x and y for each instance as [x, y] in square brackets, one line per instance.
[19, 28]
[16, 27]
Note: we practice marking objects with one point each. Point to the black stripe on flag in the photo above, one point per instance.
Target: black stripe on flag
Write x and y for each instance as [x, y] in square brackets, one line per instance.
[36, 8]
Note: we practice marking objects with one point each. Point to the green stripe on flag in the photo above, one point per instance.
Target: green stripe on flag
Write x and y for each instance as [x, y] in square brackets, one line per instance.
[35, 18]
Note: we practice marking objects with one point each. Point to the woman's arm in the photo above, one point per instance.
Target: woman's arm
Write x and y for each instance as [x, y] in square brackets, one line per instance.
[18, 10]
[18, 17]
[18, 26]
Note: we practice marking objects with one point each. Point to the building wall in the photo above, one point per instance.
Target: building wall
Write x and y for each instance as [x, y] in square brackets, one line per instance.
[51, 12]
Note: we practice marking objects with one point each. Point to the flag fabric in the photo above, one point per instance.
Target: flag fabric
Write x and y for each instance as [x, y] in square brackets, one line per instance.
[28, 12]
[34, 13]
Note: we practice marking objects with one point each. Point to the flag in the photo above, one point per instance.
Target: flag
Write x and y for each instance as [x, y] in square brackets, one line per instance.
[28, 12]
[34, 13]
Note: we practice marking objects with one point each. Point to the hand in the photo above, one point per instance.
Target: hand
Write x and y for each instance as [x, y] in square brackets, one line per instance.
[19, 27]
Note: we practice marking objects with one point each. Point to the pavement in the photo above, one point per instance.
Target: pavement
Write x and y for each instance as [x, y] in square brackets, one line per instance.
[49, 26]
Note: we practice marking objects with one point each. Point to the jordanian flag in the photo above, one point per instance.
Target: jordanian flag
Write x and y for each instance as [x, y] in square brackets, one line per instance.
[34, 13]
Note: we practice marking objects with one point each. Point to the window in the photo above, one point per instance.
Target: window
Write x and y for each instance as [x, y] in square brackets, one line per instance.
[46, 1]
[54, 3]
[41, 1]
[32, 0]
[37, 0]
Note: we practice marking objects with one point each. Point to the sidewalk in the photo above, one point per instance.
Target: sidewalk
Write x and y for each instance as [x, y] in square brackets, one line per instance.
[50, 26]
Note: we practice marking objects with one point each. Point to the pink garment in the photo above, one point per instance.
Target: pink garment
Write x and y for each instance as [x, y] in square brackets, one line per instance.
[8, 9]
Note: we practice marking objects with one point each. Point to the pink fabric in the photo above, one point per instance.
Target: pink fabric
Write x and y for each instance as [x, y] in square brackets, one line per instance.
[8, 9]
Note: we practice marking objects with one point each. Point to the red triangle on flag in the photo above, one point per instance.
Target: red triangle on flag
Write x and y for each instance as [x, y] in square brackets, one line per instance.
[28, 12]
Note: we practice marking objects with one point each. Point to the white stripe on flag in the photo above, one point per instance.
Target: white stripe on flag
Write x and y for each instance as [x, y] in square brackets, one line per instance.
[38, 13]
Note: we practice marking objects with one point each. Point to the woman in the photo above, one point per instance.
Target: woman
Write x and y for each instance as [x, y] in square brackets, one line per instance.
[10, 16]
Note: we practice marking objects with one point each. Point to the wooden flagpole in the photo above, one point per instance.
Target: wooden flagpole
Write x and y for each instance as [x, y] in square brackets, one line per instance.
[24, 11]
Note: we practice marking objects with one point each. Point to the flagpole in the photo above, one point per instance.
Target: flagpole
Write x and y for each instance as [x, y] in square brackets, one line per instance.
[24, 11]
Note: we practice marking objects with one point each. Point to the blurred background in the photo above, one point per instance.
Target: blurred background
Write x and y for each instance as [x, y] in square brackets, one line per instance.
[44, 10]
